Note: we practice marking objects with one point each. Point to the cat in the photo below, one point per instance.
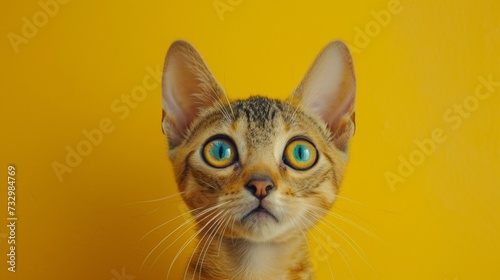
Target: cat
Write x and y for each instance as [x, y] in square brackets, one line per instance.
[258, 173]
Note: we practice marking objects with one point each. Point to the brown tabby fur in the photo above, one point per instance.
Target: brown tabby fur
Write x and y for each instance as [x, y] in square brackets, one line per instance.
[260, 246]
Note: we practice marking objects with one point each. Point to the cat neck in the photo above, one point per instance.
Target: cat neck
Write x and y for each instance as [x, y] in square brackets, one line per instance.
[241, 259]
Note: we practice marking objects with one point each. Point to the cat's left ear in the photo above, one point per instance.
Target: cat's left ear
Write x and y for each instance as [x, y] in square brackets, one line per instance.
[329, 90]
[188, 88]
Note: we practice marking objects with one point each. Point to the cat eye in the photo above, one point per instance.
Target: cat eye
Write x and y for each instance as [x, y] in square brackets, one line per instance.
[219, 152]
[300, 154]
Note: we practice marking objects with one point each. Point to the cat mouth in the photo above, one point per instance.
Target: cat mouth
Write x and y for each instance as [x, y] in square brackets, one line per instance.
[259, 211]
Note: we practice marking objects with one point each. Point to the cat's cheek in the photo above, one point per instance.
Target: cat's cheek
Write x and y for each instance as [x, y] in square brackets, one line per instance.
[324, 196]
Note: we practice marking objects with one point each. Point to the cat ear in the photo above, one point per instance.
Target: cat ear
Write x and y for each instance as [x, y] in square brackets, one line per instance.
[188, 88]
[329, 90]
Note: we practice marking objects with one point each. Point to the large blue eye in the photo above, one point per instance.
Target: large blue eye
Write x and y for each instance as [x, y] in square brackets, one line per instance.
[219, 153]
[300, 154]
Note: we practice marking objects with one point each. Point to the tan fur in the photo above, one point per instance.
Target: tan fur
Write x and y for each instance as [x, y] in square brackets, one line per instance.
[258, 247]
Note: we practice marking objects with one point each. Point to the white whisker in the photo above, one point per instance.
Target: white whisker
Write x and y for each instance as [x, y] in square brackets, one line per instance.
[321, 248]
[222, 234]
[354, 245]
[183, 224]
[341, 252]
[154, 200]
[346, 220]
[165, 223]
[350, 200]
[349, 240]
[210, 238]
[189, 241]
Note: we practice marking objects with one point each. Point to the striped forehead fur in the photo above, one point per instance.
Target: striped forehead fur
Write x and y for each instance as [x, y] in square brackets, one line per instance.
[261, 115]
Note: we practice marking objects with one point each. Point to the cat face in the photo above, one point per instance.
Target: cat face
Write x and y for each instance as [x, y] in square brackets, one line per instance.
[258, 169]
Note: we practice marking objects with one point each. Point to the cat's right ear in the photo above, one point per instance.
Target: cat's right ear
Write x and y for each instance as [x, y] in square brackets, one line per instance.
[188, 87]
[329, 89]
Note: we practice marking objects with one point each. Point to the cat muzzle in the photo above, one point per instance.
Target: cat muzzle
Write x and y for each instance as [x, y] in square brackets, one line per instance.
[259, 210]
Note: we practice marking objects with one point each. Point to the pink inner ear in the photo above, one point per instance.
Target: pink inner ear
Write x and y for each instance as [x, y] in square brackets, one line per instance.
[344, 107]
[174, 107]
[179, 85]
[185, 80]
[329, 88]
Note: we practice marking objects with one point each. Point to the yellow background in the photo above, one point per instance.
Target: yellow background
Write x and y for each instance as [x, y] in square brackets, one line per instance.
[440, 222]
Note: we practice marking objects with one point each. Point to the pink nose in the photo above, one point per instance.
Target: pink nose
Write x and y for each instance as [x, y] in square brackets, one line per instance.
[260, 187]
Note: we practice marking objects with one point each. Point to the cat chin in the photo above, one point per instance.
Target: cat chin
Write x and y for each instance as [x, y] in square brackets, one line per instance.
[260, 227]
[268, 235]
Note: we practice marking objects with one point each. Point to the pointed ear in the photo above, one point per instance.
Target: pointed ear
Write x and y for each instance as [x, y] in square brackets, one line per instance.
[328, 90]
[188, 88]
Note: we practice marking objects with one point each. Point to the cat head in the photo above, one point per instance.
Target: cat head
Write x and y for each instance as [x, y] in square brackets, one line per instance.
[258, 169]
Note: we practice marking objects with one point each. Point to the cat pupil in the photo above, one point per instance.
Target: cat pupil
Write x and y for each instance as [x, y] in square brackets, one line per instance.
[221, 151]
[302, 153]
